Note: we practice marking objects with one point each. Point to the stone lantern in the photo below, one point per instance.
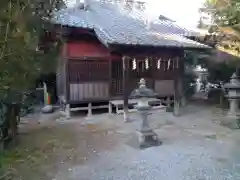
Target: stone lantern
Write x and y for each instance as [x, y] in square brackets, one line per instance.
[233, 96]
[147, 137]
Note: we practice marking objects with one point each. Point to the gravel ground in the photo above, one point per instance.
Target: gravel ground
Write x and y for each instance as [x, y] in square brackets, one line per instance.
[193, 148]
[104, 147]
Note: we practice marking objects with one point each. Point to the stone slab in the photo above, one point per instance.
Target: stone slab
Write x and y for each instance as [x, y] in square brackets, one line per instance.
[134, 101]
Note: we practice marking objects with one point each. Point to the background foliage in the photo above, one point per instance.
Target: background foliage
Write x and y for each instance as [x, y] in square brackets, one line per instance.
[22, 23]
[224, 37]
[226, 15]
[226, 12]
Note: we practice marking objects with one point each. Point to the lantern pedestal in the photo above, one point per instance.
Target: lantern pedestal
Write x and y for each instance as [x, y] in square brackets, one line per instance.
[47, 109]
[233, 108]
[233, 96]
[146, 136]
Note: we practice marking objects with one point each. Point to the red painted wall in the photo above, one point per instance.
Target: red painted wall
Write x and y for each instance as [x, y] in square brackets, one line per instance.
[81, 49]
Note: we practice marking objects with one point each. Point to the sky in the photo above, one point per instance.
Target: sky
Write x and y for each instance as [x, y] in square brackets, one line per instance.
[184, 12]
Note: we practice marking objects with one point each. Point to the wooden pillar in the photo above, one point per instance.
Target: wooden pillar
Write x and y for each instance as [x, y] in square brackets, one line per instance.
[125, 87]
[153, 68]
[67, 81]
[110, 78]
[110, 94]
[66, 78]
[65, 67]
[181, 82]
[176, 109]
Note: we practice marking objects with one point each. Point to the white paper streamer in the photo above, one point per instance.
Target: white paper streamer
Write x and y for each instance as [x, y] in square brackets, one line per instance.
[159, 64]
[146, 63]
[134, 64]
[169, 63]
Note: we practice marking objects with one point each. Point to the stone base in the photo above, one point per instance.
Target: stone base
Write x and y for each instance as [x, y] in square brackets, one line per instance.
[47, 109]
[231, 121]
[235, 115]
[176, 109]
[148, 139]
[169, 109]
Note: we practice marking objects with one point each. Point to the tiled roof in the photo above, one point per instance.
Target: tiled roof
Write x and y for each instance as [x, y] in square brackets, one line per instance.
[115, 24]
[171, 27]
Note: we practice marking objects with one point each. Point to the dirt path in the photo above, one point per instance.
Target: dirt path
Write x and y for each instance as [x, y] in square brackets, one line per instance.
[43, 148]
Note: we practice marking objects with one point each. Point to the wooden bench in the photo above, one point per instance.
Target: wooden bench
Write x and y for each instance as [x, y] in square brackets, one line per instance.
[83, 107]
[118, 104]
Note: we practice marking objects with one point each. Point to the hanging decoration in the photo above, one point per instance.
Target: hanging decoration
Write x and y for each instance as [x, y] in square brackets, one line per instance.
[134, 64]
[159, 64]
[146, 63]
[169, 63]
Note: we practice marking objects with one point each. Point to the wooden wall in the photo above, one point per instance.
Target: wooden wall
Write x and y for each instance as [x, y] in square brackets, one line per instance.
[89, 90]
[88, 79]
[93, 73]
[93, 79]
[164, 87]
[61, 76]
[158, 73]
[88, 70]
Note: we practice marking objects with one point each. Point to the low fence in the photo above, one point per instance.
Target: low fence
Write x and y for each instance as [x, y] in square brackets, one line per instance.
[9, 119]
[14, 106]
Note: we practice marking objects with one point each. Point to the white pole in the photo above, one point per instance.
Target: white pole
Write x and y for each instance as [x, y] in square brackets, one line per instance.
[48, 108]
[45, 94]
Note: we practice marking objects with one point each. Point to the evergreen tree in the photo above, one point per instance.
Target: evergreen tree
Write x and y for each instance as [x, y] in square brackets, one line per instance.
[22, 23]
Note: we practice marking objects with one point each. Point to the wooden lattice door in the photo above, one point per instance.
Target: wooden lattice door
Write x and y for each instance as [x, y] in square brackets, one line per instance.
[117, 74]
[137, 69]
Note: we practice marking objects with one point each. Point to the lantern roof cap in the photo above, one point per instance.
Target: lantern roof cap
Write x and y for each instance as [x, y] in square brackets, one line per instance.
[234, 82]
